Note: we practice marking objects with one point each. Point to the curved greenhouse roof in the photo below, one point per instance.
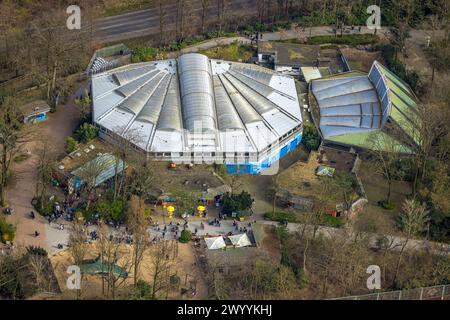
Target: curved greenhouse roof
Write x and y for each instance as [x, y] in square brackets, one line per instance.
[355, 109]
[196, 104]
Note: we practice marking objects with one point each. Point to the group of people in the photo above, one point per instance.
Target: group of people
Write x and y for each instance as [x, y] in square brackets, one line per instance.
[240, 229]
[172, 227]
[215, 222]
[58, 212]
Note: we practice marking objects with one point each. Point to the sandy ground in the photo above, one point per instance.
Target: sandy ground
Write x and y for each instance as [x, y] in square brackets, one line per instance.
[54, 130]
[376, 189]
[183, 265]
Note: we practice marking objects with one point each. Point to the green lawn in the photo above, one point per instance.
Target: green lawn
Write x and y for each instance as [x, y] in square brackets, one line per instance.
[232, 52]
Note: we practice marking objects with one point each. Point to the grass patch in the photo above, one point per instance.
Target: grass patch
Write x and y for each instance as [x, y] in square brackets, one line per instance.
[388, 205]
[142, 52]
[347, 39]
[232, 52]
[331, 221]
[43, 205]
[281, 216]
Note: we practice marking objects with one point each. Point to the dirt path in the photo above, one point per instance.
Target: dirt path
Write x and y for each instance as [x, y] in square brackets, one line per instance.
[54, 130]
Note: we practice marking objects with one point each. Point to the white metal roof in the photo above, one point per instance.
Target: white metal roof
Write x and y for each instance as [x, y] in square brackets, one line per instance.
[194, 104]
[215, 243]
[240, 240]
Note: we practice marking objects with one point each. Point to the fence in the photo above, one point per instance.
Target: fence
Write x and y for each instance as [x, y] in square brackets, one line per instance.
[441, 292]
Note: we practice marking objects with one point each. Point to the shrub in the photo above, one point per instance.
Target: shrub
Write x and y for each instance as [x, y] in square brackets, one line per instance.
[347, 39]
[12, 288]
[310, 139]
[301, 277]
[144, 54]
[282, 235]
[220, 169]
[388, 205]
[185, 236]
[21, 157]
[71, 144]
[86, 132]
[143, 290]
[7, 231]
[43, 206]
[37, 251]
[237, 202]
[112, 210]
[330, 221]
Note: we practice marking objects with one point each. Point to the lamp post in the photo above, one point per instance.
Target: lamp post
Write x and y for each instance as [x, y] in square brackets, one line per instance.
[170, 211]
[200, 210]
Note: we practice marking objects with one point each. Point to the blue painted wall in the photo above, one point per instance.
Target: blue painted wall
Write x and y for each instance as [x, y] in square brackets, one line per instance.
[256, 168]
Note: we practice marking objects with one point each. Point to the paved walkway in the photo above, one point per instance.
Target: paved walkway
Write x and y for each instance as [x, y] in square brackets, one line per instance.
[295, 33]
[372, 238]
[55, 130]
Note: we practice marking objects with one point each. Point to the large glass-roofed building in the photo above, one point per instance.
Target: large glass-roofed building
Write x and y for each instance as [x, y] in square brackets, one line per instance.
[374, 111]
[194, 109]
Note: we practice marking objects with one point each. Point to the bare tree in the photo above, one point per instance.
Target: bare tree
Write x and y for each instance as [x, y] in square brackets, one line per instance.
[162, 21]
[55, 51]
[160, 264]
[78, 243]
[89, 174]
[141, 185]
[123, 150]
[44, 171]
[387, 152]
[12, 137]
[235, 182]
[273, 189]
[222, 6]
[413, 220]
[40, 265]
[179, 20]
[205, 5]
[398, 36]
[140, 245]
[84, 103]
[116, 262]
[261, 8]
[142, 182]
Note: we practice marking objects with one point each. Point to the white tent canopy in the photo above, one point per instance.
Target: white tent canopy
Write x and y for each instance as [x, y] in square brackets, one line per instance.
[240, 240]
[214, 243]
